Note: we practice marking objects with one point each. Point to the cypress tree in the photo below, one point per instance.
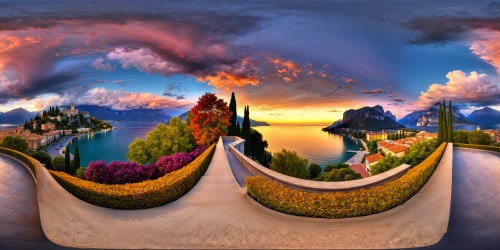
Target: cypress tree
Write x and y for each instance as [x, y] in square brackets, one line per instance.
[57, 110]
[76, 160]
[67, 161]
[232, 130]
[245, 130]
[238, 129]
[450, 123]
[445, 123]
[440, 125]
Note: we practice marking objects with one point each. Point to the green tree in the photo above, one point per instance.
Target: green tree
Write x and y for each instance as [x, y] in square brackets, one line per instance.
[58, 163]
[163, 140]
[15, 142]
[232, 129]
[67, 161]
[257, 146]
[445, 123]
[43, 158]
[450, 123]
[372, 146]
[331, 167]
[341, 174]
[290, 163]
[389, 162]
[460, 136]
[76, 160]
[479, 137]
[245, 131]
[314, 170]
[79, 173]
[440, 125]
[419, 151]
[238, 129]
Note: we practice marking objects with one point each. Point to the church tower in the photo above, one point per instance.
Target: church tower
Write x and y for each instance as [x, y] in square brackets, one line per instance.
[72, 106]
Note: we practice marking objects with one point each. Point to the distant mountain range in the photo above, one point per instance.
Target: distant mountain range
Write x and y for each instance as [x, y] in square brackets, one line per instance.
[366, 118]
[131, 115]
[253, 123]
[485, 116]
[16, 116]
[430, 117]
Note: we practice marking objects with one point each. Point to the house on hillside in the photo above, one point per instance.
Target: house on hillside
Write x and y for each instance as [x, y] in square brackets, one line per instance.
[371, 160]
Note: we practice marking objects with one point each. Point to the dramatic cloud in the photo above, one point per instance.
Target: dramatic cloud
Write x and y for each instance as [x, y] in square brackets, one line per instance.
[481, 33]
[115, 99]
[373, 92]
[475, 89]
[486, 46]
[439, 29]
[101, 65]
[33, 47]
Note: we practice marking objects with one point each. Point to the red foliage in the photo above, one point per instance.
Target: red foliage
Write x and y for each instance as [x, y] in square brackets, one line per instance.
[209, 119]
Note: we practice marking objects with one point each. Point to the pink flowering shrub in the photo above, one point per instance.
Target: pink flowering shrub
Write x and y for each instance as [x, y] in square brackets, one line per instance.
[118, 172]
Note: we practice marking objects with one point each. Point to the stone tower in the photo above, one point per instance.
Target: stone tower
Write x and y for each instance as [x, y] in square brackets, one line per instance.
[73, 106]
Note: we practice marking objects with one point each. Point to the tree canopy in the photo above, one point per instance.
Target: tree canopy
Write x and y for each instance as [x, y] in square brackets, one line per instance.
[163, 140]
[290, 163]
[15, 142]
[209, 119]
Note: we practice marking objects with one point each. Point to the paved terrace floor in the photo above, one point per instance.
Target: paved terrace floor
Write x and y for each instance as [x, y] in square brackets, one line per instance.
[475, 203]
[19, 217]
[216, 215]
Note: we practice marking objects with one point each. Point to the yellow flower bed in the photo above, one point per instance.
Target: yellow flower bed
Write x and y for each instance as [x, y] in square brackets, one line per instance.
[28, 160]
[146, 194]
[476, 146]
[344, 204]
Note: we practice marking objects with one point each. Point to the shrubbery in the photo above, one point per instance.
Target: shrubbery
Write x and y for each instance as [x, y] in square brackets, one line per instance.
[344, 204]
[475, 146]
[290, 163]
[417, 153]
[117, 172]
[473, 137]
[146, 194]
[163, 140]
[15, 142]
[32, 163]
[43, 158]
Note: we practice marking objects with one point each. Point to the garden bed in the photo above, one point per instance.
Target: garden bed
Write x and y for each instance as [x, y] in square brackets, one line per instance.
[354, 203]
[146, 194]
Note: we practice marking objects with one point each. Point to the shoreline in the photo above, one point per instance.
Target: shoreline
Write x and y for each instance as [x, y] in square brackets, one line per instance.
[64, 143]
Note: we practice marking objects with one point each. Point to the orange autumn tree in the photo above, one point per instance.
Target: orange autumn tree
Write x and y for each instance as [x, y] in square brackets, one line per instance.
[209, 119]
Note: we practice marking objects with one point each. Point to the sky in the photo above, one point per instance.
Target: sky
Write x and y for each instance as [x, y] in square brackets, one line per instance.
[300, 62]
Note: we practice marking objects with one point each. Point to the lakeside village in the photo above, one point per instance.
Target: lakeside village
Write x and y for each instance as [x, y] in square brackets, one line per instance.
[51, 125]
[396, 143]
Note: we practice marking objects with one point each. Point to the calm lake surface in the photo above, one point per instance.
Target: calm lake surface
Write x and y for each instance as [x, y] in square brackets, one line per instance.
[111, 145]
[310, 142]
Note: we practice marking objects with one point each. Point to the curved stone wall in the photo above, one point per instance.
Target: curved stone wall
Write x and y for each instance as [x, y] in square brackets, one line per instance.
[237, 147]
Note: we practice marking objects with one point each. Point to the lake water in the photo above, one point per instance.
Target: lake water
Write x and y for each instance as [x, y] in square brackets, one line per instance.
[111, 145]
[310, 142]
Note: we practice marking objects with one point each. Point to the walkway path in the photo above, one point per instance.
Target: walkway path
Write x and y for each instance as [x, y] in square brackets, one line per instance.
[217, 214]
[56, 148]
[19, 218]
[475, 211]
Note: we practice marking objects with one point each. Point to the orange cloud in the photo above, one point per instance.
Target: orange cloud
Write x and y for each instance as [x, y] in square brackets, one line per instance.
[485, 45]
[286, 69]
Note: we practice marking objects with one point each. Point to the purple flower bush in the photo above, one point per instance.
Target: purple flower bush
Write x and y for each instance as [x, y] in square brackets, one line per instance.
[118, 172]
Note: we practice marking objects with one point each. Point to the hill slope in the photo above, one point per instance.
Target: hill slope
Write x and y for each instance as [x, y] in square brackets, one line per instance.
[485, 116]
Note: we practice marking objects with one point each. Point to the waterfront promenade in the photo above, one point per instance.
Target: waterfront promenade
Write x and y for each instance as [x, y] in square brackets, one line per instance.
[56, 148]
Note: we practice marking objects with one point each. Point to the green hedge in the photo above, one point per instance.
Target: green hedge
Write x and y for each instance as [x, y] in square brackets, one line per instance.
[146, 194]
[476, 146]
[344, 204]
[28, 160]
